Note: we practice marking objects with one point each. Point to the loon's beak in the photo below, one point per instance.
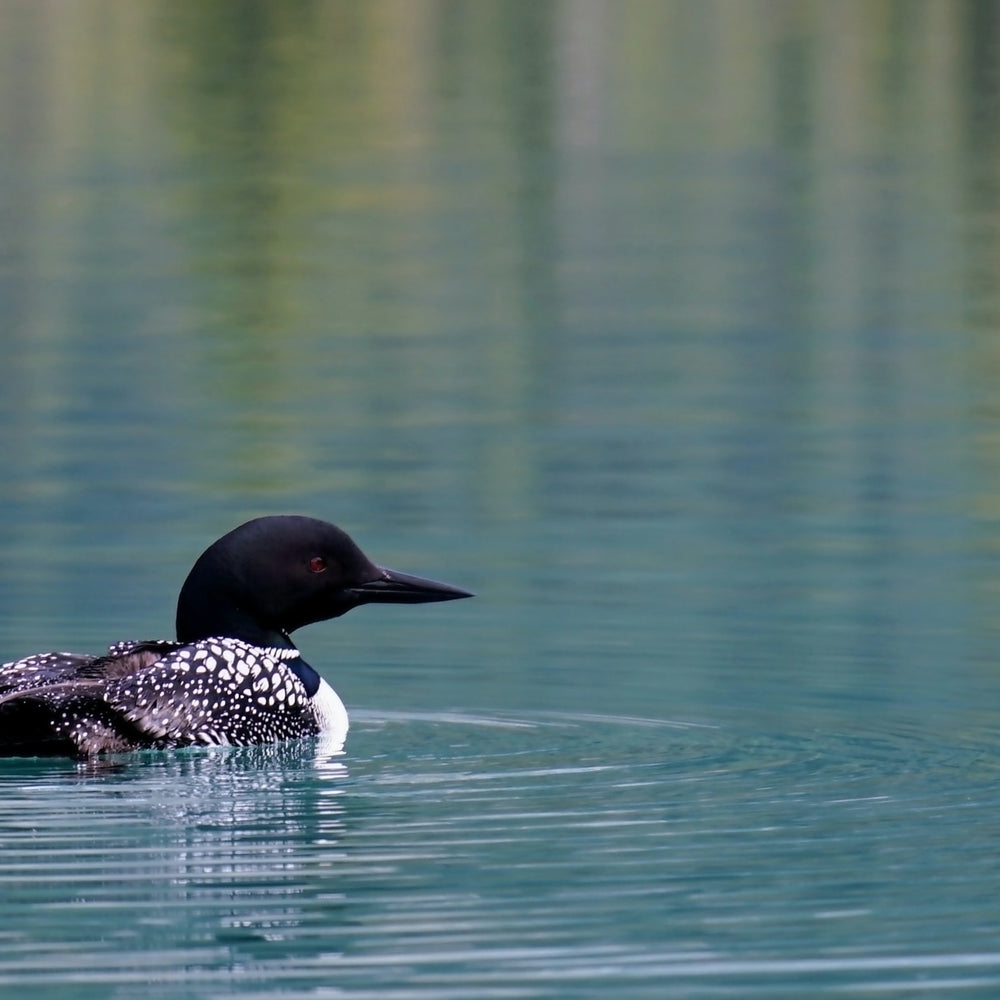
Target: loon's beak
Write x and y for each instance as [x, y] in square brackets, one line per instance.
[393, 587]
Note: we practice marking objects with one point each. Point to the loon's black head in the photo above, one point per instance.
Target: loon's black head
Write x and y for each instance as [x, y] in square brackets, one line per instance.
[273, 575]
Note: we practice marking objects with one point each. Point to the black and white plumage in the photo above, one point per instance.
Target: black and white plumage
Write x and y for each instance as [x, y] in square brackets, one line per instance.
[233, 676]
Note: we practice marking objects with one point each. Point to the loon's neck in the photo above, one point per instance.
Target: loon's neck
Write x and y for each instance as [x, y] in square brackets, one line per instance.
[251, 634]
[202, 615]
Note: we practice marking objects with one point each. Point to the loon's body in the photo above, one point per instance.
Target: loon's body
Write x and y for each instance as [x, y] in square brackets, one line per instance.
[233, 676]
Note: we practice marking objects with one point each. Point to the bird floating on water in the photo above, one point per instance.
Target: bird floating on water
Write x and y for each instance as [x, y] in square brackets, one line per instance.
[233, 676]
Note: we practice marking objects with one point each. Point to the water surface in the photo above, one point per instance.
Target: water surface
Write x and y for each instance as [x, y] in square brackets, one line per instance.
[667, 328]
[536, 855]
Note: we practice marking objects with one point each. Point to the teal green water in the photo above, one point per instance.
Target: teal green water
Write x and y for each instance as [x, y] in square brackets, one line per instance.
[502, 856]
[670, 329]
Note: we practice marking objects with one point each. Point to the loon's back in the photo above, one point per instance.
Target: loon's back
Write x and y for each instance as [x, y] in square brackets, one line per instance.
[158, 694]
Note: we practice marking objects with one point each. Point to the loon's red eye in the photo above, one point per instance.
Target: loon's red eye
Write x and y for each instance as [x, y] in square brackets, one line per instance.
[317, 564]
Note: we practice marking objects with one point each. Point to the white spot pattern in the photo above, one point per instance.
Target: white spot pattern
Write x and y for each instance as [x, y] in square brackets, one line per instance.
[218, 691]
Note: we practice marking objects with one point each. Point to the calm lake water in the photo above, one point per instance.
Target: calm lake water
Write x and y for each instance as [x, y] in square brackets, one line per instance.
[670, 329]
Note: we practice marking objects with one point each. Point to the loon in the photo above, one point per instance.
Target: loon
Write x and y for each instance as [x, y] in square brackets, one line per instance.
[233, 676]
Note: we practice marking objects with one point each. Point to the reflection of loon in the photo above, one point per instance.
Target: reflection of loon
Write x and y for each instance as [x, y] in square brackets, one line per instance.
[234, 676]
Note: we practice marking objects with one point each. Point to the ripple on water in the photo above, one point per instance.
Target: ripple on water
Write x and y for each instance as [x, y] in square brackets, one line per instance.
[533, 855]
